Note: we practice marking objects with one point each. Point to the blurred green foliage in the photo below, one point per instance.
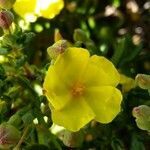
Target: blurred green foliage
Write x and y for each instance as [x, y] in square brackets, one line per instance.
[111, 28]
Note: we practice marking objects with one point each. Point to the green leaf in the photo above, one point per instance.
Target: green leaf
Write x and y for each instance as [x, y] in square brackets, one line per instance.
[26, 83]
[119, 50]
[125, 51]
[117, 144]
[43, 135]
[2, 72]
[136, 143]
[15, 120]
[1, 32]
[4, 50]
[28, 118]
[37, 147]
[20, 61]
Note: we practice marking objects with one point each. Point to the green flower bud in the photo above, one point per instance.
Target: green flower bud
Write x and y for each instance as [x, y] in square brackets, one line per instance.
[57, 48]
[6, 19]
[142, 115]
[57, 35]
[7, 4]
[105, 33]
[143, 81]
[80, 35]
[9, 136]
[73, 139]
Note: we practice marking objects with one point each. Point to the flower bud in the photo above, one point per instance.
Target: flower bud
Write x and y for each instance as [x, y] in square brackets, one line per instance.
[142, 115]
[80, 35]
[143, 81]
[57, 48]
[9, 136]
[73, 139]
[88, 137]
[71, 7]
[7, 4]
[6, 19]
[57, 35]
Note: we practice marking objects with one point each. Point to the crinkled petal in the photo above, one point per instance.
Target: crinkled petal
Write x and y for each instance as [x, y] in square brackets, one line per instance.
[55, 89]
[74, 116]
[105, 102]
[71, 64]
[101, 72]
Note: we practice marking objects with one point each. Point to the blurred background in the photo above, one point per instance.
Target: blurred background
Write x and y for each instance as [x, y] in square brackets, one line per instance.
[119, 29]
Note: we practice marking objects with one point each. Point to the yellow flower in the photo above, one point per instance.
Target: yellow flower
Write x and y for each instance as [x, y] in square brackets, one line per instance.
[80, 88]
[31, 9]
[49, 8]
[26, 9]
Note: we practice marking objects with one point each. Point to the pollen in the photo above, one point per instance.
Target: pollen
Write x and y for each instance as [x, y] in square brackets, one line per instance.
[77, 89]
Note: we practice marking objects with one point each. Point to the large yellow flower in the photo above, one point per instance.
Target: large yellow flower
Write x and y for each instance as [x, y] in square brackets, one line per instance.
[31, 9]
[26, 9]
[80, 88]
[49, 8]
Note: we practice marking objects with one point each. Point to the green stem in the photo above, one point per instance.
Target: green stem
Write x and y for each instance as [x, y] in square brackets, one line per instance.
[17, 147]
[26, 84]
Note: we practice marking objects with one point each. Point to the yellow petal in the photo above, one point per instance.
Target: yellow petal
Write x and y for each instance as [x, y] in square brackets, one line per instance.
[57, 35]
[100, 72]
[127, 83]
[55, 89]
[105, 102]
[25, 8]
[74, 116]
[71, 65]
[50, 8]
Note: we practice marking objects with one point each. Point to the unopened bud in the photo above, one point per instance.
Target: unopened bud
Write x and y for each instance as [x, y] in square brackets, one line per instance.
[57, 48]
[105, 33]
[88, 137]
[71, 7]
[7, 4]
[57, 35]
[73, 139]
[9, 136]
[143, 81]
[6, 19]
[80, 35]
[142, 115]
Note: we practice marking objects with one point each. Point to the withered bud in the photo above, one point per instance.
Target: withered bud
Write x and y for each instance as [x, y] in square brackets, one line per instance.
[142, 115]
[57, 48]
[6, 19]
[9, 136]
[143, 81]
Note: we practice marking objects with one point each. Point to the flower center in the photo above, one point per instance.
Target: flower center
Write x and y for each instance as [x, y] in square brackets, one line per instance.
[77, 89]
